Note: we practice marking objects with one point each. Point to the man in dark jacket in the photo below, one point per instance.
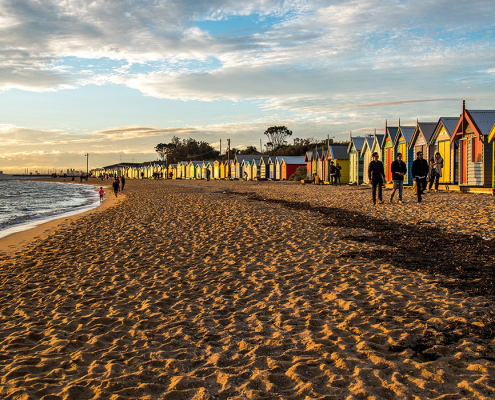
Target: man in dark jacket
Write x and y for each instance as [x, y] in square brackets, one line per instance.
[419, 172]
[376, 175]
[399, 169]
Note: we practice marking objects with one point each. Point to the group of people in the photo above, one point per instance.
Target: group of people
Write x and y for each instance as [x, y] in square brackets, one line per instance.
[118, 185]
[335, 174]
[421, 172]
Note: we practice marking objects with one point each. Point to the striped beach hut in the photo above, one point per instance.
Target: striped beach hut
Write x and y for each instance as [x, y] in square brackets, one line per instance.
[307, 159]
[356, 162]
[388, 150]
[278, 168]
[216, 170]
[339, 155]
[232, 170]
[367, 152]
[422, 139]
[271, 168]
[491, 139]
[289, 164]
[402, 145]
[475, 150]
[441, 140]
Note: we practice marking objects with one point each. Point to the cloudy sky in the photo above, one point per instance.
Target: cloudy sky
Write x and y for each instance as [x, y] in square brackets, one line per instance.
[113, 78]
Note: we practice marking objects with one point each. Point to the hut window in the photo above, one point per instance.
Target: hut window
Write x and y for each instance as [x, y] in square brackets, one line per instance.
[476, 149]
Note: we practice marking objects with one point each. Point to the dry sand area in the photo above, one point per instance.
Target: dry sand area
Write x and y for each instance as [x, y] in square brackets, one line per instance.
[246, 290]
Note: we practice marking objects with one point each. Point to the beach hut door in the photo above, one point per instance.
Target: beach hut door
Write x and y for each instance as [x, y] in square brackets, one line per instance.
[388, 162]
[464, 161]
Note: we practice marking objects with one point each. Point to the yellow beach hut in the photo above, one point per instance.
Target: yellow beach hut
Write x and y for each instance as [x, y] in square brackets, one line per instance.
[441, 140]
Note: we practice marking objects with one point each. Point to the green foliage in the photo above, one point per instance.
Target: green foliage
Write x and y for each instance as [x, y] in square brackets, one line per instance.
[250, 150]
[276, 136]
[300, 174]
[186, 149]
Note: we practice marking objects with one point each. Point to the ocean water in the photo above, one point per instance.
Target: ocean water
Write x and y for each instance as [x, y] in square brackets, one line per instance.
[26, 204]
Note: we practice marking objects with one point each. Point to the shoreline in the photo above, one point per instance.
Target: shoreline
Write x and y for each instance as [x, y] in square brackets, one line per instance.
[17, 241]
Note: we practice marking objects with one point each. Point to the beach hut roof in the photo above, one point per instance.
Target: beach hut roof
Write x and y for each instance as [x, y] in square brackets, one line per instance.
[484, 120]
[379, 140]
[196, 162]
[265, 159]
[358, 143]
[241, 157]
[449, 123]
[368, 143]
[391, 132]
[308, 156]
[407, 132]
[339, 152]
[426, 128]
[290, 160]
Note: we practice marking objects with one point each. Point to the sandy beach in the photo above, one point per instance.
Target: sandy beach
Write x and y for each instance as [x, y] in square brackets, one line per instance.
[253, 290]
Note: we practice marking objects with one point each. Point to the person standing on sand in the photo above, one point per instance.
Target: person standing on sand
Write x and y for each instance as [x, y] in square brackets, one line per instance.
[432, 175]
[419, 172]
[101, 192]
[208, 173]
[122, 183]
[399, 169]
[337, 173]
[376, 174]
[116, 187]
[438, 167]
[333, 173]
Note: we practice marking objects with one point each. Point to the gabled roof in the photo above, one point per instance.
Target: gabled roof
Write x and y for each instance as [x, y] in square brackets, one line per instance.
[339, 152]
[293, 160]
[196, 162]
[482, 121]
[265, 159]
[241, 157]
[308, 156]
[449, 123]
[427, 129]
[405, 131]
[390, 132]
[358, 142]
[379, 140]
[368, 143]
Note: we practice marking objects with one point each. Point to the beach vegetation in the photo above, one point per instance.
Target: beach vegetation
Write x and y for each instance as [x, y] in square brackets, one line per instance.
[186, 149]
[300, 174]
[277, 136]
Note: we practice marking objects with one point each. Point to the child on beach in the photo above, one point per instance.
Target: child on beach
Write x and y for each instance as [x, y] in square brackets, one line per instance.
[101, 193]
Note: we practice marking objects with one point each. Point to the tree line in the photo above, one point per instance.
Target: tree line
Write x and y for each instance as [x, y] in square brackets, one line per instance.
[191, 149]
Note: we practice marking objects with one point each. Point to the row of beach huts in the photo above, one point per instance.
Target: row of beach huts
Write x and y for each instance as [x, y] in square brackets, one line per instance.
[466, 144]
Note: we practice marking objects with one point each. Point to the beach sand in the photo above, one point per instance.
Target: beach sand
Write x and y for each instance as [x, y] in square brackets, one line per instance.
[247, 290]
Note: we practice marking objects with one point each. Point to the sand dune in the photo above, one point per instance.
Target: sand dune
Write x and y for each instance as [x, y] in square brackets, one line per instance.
[213, 290]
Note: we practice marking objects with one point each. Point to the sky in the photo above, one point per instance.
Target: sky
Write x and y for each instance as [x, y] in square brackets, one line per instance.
[113, 78]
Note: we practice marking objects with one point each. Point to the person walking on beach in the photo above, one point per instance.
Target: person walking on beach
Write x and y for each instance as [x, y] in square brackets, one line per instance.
[101, 192]
[438, 167]
[333, 174]
[208, 173]
[419, 172]
[376, 174]
[432, 175]
[337, 173]
[116, 187]
[399, 169]
[122, 183]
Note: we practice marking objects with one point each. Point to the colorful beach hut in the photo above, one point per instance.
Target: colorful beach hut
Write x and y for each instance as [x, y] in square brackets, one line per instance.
[491, 139]
[307, 159]
[339, 155]
[475, 150]
[441, 140]
[403, 145]
[356, 161]
[216, 170]
[367, 152]
[289, 164]
[421, 139]
[265, 167]
[278, 162]
[388, 150]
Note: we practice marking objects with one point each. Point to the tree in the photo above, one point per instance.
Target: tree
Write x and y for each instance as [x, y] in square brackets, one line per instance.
[164, 149]
[277, 135]
[250, 150]
[190, 149]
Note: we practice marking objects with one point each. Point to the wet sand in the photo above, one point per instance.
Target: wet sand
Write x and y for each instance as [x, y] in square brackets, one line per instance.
[246, 290]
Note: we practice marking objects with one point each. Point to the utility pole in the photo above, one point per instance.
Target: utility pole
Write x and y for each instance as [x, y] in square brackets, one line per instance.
[228, 156]
[87, 164]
